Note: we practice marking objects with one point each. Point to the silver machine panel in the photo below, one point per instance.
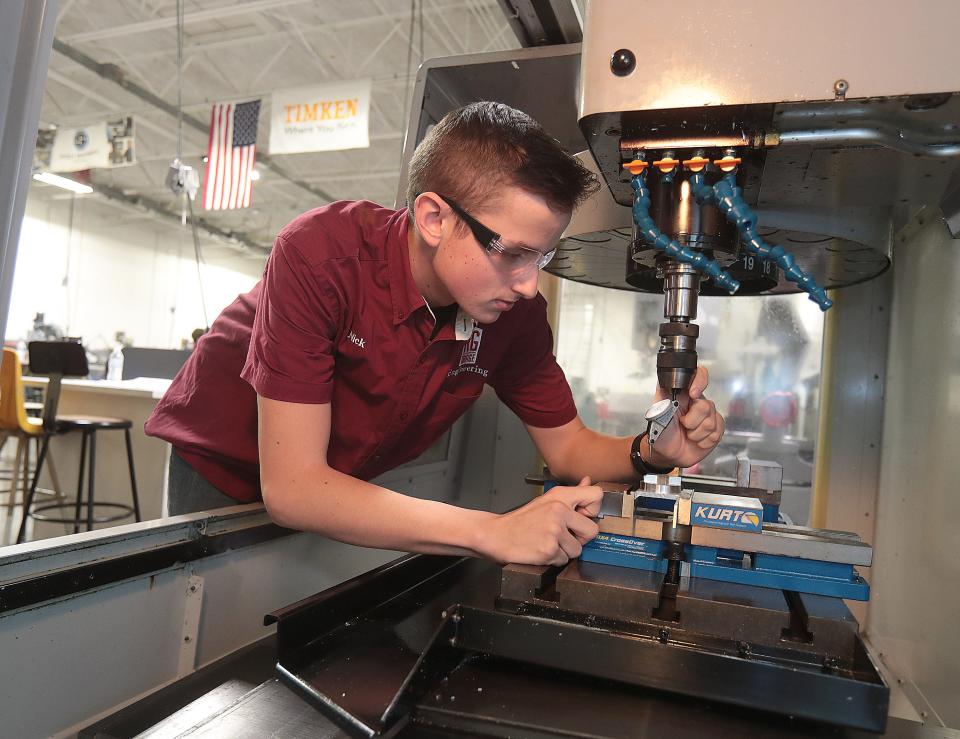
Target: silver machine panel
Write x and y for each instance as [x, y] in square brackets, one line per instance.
[834, 145]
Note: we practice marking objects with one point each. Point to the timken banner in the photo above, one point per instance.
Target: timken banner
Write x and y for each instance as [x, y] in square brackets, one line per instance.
[321, 118]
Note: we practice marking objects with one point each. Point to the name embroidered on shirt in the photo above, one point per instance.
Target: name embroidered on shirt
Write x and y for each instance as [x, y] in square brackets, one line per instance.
[356, 340]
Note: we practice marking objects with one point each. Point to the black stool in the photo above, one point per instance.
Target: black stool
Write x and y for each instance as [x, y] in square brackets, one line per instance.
[59, 359]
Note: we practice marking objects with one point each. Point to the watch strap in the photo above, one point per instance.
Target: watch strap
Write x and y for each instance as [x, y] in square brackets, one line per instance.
[641, 466]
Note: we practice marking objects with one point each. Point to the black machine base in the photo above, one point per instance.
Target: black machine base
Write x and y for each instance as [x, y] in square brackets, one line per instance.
[381, 654]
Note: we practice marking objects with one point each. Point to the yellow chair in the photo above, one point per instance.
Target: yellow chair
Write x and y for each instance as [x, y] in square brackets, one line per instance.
[14, 422]
[56, 360]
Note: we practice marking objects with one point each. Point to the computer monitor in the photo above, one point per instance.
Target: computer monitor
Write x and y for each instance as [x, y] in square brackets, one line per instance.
[143, 362]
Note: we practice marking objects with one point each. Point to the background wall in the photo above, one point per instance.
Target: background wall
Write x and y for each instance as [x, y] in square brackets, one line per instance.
[117, 271]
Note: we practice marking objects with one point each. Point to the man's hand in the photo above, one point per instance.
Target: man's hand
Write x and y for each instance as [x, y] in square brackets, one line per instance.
[549, 530]
[700, 424]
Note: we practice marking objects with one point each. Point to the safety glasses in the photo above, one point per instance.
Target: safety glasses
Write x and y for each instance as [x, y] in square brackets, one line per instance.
[513, 259]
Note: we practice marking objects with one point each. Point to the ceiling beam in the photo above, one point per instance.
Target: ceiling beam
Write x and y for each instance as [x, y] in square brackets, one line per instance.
[438, 11]
[236, 240]
[114, 108]
[116, 75]
[161, 157]
[64, 9]
[170, 21]
[268, 66]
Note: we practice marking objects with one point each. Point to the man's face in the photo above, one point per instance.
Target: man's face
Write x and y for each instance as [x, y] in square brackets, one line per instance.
[486, 283]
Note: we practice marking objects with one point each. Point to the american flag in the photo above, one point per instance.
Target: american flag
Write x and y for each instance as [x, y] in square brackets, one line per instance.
[231, 155]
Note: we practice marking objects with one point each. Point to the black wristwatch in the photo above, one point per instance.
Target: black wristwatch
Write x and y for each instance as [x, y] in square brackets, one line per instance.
[644, 468]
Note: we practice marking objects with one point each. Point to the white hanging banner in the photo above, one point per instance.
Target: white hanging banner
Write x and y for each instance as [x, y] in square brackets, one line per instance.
[100, 144]
[324, 117]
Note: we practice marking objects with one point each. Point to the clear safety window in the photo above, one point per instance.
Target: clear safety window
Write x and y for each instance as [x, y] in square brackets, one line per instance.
[763, 354]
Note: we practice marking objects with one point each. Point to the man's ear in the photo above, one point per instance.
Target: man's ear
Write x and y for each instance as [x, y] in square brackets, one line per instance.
[427, 213]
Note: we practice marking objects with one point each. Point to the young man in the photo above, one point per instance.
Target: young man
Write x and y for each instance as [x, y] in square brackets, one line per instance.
[373, 330]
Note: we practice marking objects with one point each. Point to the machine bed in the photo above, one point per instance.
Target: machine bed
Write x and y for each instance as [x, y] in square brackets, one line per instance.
[374, 657]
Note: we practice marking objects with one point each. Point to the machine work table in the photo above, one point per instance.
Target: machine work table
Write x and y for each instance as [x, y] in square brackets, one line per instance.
[360, 668]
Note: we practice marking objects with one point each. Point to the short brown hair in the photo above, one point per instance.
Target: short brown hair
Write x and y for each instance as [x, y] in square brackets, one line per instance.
[477, 149]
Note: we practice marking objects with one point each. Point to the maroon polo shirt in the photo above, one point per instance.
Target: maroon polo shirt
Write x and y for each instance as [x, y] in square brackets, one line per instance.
[337, 318]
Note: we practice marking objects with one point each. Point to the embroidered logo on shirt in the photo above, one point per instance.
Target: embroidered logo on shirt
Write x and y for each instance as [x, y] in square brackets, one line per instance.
[356, 340]
[471, 347]
[468, 358]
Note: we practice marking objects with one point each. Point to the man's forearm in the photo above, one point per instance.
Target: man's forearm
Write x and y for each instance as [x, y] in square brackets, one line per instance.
[356, 512]
[603, 458]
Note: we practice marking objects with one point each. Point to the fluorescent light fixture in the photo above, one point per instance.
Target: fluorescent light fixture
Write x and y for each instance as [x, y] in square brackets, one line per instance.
[67, 184]
[255, 175]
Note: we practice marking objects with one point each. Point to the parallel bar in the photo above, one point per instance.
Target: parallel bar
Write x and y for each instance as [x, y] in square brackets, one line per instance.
[729, 488]
[626, 551]
[787, 544]
[782, 573]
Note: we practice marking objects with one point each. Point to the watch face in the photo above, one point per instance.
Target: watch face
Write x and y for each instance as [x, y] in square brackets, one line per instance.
[658, 409]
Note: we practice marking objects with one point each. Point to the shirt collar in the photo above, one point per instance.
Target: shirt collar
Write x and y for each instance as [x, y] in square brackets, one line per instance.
[405, 296]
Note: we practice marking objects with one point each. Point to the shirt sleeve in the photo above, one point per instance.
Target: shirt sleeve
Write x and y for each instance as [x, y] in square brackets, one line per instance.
[530, 382]
[293, 342]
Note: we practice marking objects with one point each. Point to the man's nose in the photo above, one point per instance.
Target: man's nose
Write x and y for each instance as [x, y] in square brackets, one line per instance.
[525, 283]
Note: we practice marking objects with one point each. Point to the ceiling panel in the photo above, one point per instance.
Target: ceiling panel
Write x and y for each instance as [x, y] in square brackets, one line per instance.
[243, 50]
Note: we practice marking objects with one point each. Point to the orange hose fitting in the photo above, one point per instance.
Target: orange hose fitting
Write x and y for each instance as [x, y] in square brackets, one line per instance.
[636, 166]
[666, 165]
[727, 164]
[696, 164]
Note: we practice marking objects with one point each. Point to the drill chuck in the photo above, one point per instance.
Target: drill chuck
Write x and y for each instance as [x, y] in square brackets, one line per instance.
[677, 358]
